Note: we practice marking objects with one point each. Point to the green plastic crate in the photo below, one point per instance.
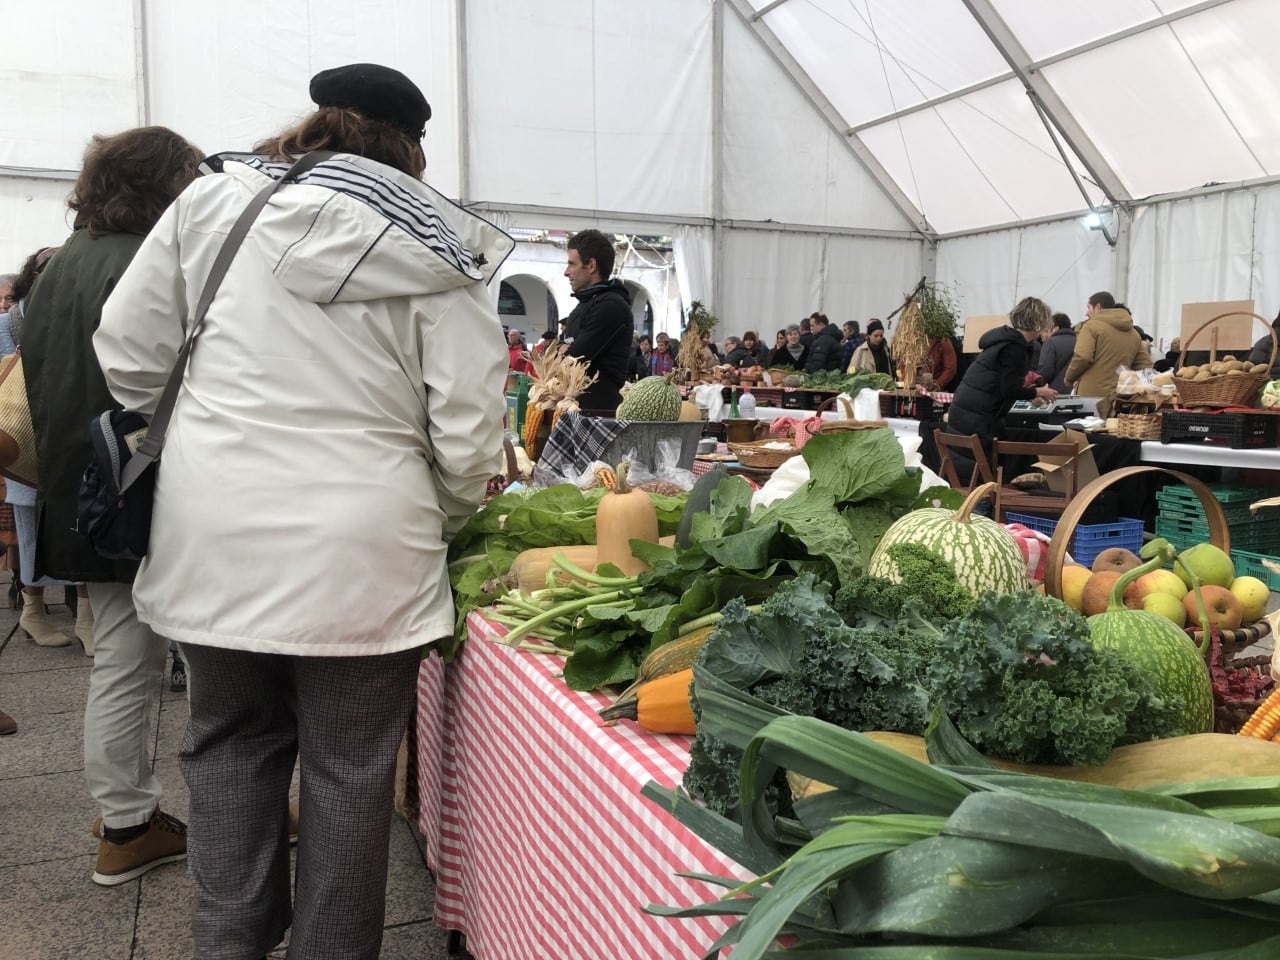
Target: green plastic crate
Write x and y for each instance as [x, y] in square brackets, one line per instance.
[1250, 565]
[1223, 493]
[1184, 533]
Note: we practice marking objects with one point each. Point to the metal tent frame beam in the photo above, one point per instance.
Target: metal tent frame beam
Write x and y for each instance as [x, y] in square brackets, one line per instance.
[1023, 66]
[1039, 65]
[838, 124]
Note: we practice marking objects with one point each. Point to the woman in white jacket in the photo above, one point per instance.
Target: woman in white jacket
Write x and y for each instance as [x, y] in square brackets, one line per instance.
[340, 415]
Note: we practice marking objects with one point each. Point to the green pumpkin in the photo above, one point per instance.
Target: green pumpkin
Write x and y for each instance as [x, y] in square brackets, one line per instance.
[1161, 650]
[985, 555]
[653, 398]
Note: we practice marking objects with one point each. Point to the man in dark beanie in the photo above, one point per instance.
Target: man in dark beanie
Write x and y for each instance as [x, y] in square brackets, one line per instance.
[872, 354]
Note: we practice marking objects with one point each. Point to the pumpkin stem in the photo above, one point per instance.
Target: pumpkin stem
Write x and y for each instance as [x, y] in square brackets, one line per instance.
[976, 495]
[1204, 614]
[1116, 602]
[621, 473]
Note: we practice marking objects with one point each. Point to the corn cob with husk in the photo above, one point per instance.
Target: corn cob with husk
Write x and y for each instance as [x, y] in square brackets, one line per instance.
[558, 381]
[910, 342]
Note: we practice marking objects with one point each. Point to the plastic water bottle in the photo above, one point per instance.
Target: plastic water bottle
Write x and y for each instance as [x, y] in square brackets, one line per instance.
[747, 405]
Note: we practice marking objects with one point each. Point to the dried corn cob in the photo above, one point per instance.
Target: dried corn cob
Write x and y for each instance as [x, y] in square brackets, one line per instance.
[1265, 722]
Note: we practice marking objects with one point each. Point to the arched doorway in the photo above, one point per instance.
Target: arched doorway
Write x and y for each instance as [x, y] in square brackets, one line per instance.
[641, 307]
[526, 303]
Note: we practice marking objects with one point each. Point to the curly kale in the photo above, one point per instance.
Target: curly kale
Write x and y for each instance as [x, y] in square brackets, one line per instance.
[926, 582]
[798, 655]
[1020, 680]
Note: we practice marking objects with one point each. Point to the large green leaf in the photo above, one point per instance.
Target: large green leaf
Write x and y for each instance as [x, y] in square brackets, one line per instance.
[1196, 855]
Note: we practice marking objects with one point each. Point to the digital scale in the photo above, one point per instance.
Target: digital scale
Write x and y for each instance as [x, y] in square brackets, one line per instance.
[1056, 413]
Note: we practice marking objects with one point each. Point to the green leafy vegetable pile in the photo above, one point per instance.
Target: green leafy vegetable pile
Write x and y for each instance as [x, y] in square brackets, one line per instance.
[849, 383]
[858, 485]
[1015, 673]
[957, 860]
[1019, 678]
[482, 552]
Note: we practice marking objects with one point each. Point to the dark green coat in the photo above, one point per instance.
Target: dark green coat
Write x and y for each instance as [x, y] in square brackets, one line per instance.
[66, 390]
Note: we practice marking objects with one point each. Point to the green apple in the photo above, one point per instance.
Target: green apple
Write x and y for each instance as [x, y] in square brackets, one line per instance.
[1207, 562]
[1166, 605]
[1253, 595]
[1162, 581]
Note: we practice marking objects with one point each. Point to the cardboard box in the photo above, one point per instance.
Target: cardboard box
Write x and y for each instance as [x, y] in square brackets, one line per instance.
[1075, 446]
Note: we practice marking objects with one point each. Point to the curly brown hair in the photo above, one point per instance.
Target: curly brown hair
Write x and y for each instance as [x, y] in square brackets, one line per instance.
[25, 279]
[346, 131]
[129, 179]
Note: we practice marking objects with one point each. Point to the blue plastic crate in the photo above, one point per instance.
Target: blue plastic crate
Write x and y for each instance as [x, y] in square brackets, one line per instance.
[1045, 525]
[1090, 538]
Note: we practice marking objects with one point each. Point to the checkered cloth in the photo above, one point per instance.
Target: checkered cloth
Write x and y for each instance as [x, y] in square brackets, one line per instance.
[575, 443]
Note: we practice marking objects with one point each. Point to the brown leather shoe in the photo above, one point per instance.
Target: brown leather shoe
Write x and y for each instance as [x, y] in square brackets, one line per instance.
[164, 841]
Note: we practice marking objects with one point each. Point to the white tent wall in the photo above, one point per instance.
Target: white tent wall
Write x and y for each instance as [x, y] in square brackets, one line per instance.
[70, 70]
[776, 277]
[33, 214]
[782, 161]
[1061, 262]
[1203, 249]
[226, 75]
[591, 104]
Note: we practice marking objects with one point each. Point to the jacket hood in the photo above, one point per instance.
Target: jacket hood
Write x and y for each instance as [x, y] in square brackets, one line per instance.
[1005, 334]
[614, 284]
[1115, 317]
[354, 229]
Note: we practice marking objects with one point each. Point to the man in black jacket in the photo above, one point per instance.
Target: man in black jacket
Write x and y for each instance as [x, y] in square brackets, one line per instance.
[825, 352]
[601, 326]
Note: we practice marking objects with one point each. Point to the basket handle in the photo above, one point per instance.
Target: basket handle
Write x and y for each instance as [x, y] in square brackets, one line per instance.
[1219, 532]
[513, 468]
[1275, 344]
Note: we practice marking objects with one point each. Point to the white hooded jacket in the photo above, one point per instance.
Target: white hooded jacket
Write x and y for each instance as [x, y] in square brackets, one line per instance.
[339, 417]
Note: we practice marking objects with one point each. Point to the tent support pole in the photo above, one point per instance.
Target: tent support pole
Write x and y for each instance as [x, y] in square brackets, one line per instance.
[141, 61]
[1047, 99]
[464, 129]
[717, 155]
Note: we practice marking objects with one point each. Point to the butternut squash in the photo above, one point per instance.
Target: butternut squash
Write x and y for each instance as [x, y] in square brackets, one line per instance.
[624, 514]
[530, 567]
[659, 706]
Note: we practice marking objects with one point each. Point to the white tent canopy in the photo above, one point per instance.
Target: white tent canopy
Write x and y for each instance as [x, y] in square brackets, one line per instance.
[802, 154]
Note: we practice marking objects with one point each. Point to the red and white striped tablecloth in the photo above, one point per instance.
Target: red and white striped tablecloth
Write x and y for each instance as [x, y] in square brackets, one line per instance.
[540, 841]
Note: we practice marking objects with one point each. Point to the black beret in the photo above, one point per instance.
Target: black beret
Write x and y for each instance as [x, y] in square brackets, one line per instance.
[375, 91]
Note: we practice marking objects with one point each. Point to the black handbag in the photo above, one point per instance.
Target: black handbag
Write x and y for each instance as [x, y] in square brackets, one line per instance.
[113, 509]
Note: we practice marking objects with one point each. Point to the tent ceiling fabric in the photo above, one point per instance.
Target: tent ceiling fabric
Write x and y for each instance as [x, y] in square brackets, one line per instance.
[1172, 94]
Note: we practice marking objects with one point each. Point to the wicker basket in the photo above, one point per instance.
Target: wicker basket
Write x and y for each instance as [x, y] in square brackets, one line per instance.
[1228, 714]
[762, 454]
[1137, 426]
[1224, 391]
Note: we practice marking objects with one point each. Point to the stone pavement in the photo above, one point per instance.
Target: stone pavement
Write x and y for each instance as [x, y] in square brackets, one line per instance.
[49, 908]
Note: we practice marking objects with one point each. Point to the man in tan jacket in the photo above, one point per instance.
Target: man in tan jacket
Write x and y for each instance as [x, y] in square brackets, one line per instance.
[1106, 341]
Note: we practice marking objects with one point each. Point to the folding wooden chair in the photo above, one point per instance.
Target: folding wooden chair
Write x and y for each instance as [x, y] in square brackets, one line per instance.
[970, 448]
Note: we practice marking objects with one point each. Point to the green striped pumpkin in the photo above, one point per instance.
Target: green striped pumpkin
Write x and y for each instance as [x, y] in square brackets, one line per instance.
[1160, 650]
[985, 555]
[653, 398]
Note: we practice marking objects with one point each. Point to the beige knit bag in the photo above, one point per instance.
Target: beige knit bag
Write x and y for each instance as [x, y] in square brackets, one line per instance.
[17, 437]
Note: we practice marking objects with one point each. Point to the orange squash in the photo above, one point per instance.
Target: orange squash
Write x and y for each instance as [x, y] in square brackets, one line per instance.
[659, 706]
[624, 514]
